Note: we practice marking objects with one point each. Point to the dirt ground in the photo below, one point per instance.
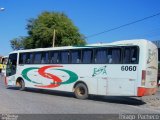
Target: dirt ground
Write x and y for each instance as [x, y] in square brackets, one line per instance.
[153, 101]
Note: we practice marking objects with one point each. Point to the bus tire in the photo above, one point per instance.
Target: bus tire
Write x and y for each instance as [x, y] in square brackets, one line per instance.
[22, 85]
[81, 91]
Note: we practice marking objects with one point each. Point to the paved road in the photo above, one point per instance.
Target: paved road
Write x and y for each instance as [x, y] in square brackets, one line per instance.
[49, 102]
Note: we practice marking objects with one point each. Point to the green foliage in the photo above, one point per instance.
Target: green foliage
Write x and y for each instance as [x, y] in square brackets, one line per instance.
[41, 29]
[17, 43]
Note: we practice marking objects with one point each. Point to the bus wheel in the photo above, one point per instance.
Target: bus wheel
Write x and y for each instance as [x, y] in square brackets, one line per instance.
[81, 91]
[21, 85]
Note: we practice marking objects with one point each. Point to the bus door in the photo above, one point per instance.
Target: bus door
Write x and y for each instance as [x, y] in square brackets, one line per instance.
[11, 69]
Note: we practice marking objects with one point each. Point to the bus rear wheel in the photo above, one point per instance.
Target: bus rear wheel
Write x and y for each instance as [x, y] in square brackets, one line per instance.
[81, 91]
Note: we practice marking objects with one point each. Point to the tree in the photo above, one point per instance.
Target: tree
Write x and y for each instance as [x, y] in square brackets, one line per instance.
[41, 29]
[17, 43]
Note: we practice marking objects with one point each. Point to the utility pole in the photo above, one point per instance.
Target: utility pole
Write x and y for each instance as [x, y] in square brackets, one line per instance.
[54, 36]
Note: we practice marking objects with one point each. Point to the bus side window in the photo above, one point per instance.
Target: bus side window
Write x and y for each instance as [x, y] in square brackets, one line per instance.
[134, 55]
[109, 57]
[75, 56]
[54, 57]
[126, 57]
[64, 57]
[87, 56]
[100, 56]
[45, 58]
[114, 56]
[29, 59]
[130, 55]
[22, 58]
[37, 57]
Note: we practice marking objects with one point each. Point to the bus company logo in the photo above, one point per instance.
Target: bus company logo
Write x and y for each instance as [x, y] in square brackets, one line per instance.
[56, 80]
[99, 71]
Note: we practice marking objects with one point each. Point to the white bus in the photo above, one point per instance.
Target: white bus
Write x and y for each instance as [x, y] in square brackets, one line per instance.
[123, 68]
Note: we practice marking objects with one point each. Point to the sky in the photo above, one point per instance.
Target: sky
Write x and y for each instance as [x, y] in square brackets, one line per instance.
[90, 16]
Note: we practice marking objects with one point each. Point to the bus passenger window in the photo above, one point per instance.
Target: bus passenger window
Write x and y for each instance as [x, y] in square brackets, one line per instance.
[109, 57]
[22, 58]
[45, 58]
[134, 55]
[114, 56]
[54, 56]
[130, 55]
[29, 59]
[37, 58]
[126, 58]
[87, 56]
[75, 56]
[100, 56]
[64, 56]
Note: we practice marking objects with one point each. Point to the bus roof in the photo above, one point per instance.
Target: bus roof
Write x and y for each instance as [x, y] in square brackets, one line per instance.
[117, 43]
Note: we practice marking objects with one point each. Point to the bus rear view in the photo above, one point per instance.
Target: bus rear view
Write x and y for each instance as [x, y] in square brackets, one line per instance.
[148, 69]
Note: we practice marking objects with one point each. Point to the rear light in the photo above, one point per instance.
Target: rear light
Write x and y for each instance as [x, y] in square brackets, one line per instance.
[143, 77]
